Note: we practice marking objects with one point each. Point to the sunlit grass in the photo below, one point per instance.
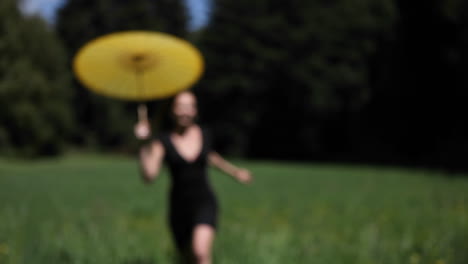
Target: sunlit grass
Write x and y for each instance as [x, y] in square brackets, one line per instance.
[95, 209]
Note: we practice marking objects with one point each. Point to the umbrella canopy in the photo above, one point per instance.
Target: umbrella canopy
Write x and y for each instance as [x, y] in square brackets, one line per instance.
[138, 65]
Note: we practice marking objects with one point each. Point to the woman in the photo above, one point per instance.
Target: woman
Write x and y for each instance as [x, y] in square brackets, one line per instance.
[187, 150]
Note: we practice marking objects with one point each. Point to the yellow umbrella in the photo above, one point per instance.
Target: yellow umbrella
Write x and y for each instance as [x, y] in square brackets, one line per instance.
[138, 65]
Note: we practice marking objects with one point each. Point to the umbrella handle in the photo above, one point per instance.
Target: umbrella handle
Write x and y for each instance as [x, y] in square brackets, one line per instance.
[142, 112]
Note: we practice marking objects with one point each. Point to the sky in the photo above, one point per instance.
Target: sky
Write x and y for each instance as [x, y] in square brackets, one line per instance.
[198, 9]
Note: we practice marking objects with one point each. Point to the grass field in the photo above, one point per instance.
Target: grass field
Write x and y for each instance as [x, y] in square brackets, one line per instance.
[95, 209]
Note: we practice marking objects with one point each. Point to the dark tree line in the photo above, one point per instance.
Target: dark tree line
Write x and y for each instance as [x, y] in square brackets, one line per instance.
[345, 80]
[286, 70]
[417, 109]
[380, 81]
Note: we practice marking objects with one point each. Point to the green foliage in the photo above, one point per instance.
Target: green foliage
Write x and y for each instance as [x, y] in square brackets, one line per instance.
[102, 122]
[283, 64]
[96, 210]
[82, 20]
[35, 117]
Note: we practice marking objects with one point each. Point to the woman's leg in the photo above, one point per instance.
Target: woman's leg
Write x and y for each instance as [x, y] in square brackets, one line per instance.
[203, 236]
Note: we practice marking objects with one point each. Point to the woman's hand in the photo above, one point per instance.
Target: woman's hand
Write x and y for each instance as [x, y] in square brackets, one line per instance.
[142, 130]
[243, 176]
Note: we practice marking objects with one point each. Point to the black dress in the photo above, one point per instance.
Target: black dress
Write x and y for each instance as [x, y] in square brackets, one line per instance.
[191, 199]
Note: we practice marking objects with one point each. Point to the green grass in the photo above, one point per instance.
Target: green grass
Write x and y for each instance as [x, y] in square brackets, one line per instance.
[95, 209]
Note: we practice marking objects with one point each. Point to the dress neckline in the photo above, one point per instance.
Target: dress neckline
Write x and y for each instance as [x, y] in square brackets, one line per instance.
[176, 151]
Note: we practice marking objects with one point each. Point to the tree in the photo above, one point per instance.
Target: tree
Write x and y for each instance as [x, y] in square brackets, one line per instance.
[416, 114]
[102, 121]
[281, 70]
[35, 118]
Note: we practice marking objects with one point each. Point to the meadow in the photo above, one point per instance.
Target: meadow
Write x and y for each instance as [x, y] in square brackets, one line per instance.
[95, 209]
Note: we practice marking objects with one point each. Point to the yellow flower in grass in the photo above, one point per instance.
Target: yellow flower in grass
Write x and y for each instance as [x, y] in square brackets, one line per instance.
[440, 261]
[415, 258]
[4, 249]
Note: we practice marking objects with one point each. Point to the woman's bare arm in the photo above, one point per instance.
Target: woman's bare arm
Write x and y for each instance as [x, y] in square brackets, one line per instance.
[151, 157]
[242, 175]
